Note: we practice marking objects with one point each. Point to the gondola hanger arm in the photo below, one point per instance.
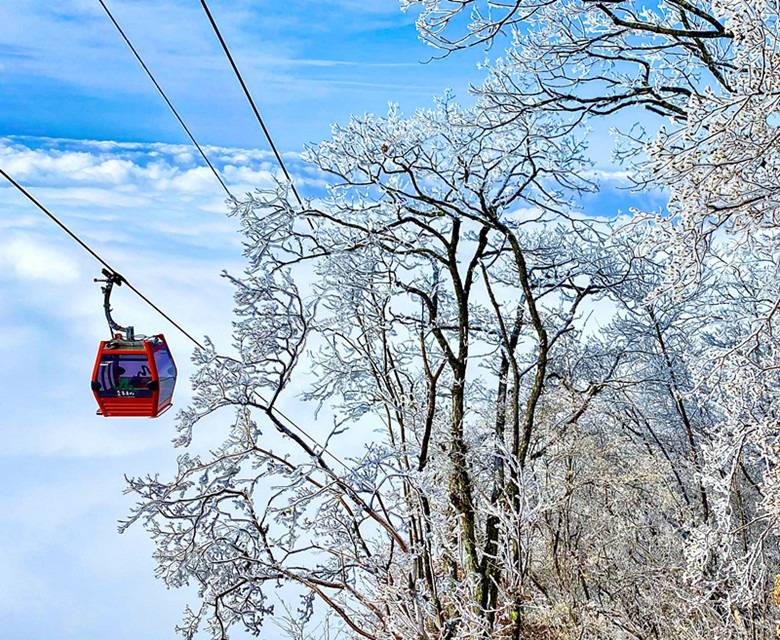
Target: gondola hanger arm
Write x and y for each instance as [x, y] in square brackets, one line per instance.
[110, 279]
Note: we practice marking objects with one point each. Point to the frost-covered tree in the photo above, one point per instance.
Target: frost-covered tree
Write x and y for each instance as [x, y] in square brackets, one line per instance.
[590, 57]
[524, 462]
[438, 301]
[709, 70]
[544, 425]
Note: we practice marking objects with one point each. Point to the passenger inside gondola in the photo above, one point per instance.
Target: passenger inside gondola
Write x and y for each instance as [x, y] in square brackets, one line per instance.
[124, 375]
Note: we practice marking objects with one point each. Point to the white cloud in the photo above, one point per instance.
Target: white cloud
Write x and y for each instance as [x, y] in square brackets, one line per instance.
[101, 197]
[30, 259]
[260, 178]
[131, 170]
[608, 174]
[197, 180]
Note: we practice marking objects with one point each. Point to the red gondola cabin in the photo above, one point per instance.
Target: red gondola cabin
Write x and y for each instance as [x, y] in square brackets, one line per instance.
[134, 378]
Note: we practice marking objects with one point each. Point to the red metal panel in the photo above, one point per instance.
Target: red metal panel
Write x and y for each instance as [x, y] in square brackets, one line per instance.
[129, 406]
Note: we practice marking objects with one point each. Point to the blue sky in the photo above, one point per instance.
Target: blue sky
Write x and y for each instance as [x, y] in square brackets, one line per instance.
[64, 71]
[82, 127]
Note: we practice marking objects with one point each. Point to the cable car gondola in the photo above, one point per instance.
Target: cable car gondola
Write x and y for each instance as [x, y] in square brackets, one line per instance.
[133, 376]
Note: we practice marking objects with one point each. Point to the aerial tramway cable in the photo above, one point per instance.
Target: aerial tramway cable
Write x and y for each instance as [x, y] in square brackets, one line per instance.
[165, 98]
[95, 255]
[248, 95]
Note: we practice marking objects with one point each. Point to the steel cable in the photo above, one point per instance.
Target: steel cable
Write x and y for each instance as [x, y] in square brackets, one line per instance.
[165, 97]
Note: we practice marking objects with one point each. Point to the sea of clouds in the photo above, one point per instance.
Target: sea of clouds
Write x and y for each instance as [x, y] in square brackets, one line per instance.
[160, 218]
